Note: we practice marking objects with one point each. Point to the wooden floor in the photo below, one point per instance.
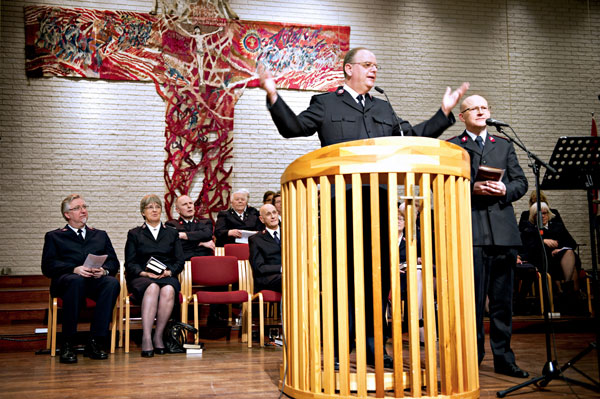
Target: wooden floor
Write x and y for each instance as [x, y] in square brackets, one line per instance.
[231, 370]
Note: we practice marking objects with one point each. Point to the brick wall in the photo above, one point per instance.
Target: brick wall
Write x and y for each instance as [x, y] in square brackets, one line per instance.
[537, 62]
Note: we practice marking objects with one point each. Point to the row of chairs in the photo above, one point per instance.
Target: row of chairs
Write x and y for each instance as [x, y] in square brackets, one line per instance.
[537, 287]
[228, 267]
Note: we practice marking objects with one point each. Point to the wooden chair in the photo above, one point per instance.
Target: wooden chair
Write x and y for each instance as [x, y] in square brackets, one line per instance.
[216, 271]
[264, 296]
[54, 303]
[125, 305]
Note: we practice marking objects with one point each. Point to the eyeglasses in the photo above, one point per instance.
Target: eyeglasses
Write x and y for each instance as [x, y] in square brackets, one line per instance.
[367, 65]
[480, 109]
[78, 208]
[153, 207]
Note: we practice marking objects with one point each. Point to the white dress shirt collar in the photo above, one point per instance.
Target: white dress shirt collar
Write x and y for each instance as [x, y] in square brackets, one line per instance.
[83, 230]
[473, 136]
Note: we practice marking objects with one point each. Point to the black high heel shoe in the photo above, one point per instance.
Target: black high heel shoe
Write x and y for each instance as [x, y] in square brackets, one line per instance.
[149, 353]
[160, 351]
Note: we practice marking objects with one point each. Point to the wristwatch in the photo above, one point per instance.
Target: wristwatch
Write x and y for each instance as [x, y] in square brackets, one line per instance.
[105, 272]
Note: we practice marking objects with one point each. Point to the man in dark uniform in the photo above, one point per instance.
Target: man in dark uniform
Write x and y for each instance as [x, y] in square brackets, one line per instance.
[495, 232]
[351, 113]
[63, 257]
[195, 233]
[240, 216]
[265, 252]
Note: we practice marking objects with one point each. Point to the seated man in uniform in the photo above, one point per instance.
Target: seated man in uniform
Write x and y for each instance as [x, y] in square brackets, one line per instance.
[240, 216]
[195, 233]
[63, 257]
[265, 252]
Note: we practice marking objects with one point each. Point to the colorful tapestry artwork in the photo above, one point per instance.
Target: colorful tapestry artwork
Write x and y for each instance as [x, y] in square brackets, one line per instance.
[200, 67]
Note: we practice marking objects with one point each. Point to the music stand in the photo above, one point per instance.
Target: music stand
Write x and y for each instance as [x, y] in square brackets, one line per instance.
[577, 163]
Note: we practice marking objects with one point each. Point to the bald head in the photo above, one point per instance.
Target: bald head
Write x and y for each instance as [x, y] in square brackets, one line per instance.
[474, 110]
[269, 216]
[185, 207]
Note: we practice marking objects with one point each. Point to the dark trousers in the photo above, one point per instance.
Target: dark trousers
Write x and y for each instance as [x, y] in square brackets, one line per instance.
[494, 275]
[367, 263]
[73, 289]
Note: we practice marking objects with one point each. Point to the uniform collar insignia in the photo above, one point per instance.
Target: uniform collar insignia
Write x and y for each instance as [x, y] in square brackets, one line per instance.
[464, 138]
[340, 91]
[492, 139]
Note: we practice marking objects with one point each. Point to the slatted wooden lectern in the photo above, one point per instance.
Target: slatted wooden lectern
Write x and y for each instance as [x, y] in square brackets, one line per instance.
[316, 190]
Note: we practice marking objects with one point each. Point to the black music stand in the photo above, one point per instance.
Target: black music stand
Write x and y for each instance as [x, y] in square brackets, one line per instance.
[577, 163]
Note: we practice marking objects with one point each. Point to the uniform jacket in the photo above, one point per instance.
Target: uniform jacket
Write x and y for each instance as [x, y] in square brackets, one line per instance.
[338, 118]
[493, 218]
[141, 245]
[229, 220]
[197, 230]
[265, 257]
[64, 251]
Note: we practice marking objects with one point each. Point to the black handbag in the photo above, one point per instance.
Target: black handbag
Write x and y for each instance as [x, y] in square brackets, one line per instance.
[176, 335]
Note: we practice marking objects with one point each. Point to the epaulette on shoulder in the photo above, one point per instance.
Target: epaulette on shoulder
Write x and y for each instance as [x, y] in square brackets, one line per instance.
[493, 136]
[90, 227]
[61, 229]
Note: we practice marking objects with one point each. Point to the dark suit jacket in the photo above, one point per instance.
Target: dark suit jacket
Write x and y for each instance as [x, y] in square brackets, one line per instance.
[338, 118]
[524, 220]
[198, 230]
[141, 245]
[265, 258]
[532, 247]
[229, 220]
[493, 218]
[64, 251]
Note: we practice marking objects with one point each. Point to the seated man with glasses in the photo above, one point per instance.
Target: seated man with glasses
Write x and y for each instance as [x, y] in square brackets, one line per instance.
[351, 112]
[63, 260]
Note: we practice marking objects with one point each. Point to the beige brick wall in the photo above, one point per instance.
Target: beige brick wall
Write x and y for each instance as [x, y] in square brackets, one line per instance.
[538, 63]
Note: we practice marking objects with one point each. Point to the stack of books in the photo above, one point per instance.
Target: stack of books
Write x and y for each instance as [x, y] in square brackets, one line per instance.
[155, 266]
[192, 349]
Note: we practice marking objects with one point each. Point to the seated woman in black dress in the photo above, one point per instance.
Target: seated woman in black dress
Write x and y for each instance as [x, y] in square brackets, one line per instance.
[559, 246]
[156, 292]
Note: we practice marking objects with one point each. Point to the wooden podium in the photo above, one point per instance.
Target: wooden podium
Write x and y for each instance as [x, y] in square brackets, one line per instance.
[317, 189]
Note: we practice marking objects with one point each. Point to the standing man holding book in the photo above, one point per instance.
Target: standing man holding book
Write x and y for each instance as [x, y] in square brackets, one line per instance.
[495, 231]
[63, 260]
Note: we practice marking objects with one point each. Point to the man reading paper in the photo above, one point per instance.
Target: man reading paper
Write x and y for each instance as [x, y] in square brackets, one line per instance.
[65, 253]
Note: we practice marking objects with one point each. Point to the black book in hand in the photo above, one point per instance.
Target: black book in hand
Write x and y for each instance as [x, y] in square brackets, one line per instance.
[155, 266]
[485, 173]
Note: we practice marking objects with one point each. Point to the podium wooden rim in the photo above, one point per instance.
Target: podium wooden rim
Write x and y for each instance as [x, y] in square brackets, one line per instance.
[382, 155]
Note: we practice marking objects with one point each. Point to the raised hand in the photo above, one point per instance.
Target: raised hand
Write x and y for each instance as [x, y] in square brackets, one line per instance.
[451, 98]
[267, 82]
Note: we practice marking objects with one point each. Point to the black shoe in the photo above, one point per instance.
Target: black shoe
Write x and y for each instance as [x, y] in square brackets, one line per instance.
[67, 354]
[160, 351]
[149, 353]
[94, 350]
[388, 362]
[510, 369]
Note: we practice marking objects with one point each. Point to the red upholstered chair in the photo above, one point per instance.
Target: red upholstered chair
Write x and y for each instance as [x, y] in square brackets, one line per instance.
[240, 251]
[54, 304]
[218, 271]
[264, 296]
